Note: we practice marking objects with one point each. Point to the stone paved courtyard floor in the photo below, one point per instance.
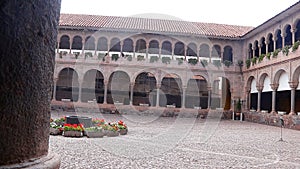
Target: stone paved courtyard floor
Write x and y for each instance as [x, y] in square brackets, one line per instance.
[164, 142]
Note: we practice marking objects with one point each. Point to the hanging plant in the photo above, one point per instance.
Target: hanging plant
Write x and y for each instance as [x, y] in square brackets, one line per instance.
[227, 63]
[129, 57]
[261, 58]
[254, 60]
[268, 55]
[180, 60]
[217, 63]
[286, 50]
[166, 60]
[114, 57]
[275, 53]
[153, 59]
[295, 46]
[140, 58]
[192, 61]
[248, 63]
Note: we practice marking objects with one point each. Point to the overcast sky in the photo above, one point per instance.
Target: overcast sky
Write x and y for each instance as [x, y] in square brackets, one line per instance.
[236, 12]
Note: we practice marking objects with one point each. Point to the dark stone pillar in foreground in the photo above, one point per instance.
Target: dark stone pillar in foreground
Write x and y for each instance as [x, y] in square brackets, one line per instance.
[28, 31]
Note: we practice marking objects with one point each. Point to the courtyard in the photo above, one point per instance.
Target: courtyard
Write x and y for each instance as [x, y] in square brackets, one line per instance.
[174, 142]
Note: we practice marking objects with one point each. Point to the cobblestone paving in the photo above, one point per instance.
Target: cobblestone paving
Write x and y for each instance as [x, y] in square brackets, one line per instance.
[154, 142]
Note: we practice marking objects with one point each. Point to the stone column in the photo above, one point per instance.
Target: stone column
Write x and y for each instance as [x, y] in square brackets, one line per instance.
[121, 46]
[131, 93]
[79, 91]
[274, 88]
[71, 41]
[82, 49]
[54, 89]
[247, 91]
[185, 51]
[159, 50]
[158, 85]
[274, 41]
[293, 31]
[173, 49]
[259, 89]
[96, 46]
[253, 52]
[105, 92]
[209, 88]
[293, 86]
[147, 50]
[259, 50]
[57, 49]
[183, 96]
[267, 46]
[27, 47]
[283, 39]
[134, 46]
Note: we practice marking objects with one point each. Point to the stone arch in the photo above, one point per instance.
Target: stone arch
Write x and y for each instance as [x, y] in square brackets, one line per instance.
[227, 55]
[77, 43]
[118, 88]
[278, 39]
[287, 35]
[166, 48]
[128, 45]
[171, 87]
[153, 47]
[102, 44]
[297, 33]
[64, 42]
[256, 49]
[145, 83]
[196, 92]
[270, 42]
[262, 78]
[191, 49]
[250, 51]
[89, 43]
[263, 45]
[92, 86]
[216, 51]
[277, 76]
[67, 85]
[204, 50]
[179, 48]
[115, 45]
[295, 75]
[140, 46]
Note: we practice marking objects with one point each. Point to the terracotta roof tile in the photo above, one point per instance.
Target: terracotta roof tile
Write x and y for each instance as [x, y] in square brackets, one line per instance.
[153, 25]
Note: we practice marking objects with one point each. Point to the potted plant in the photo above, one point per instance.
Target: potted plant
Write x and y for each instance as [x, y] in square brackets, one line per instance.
[217, 63]
[227, 63]
[140, 58]
[153, 59]
[122, 127]
[295, 46]
[248, 63]
[114, 57]
[180, 60]
[204, 63]
[166, 60]
[111, 130]
[94, 132]
[192, 61]
[55, 129]
[73, 130]
[286, 50]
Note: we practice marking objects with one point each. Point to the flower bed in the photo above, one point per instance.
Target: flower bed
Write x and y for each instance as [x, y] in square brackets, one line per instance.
[98, 128]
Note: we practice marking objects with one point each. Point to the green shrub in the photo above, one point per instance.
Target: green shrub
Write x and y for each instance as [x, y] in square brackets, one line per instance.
[153, 59]
[180, 60]
[129, 57]
[140, 58]
[248, 63]
[88, 54]
[286, 50]
[166, 60]
[114, 57]
[275, 53]
[254, 60]
[227, 63]
[295, 46]
[240, 63]
[101, 56]
[217, 63]
[261, 58]
[192, 61]
[268, 55]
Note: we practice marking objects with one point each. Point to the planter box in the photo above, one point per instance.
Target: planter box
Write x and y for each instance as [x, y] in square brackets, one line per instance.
[95, 134]
[110, 133]
[72, 133]
[54, 131]
[123, 131]
[281, 112]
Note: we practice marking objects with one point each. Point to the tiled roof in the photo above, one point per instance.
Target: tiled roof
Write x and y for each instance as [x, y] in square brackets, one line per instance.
[153, 25]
